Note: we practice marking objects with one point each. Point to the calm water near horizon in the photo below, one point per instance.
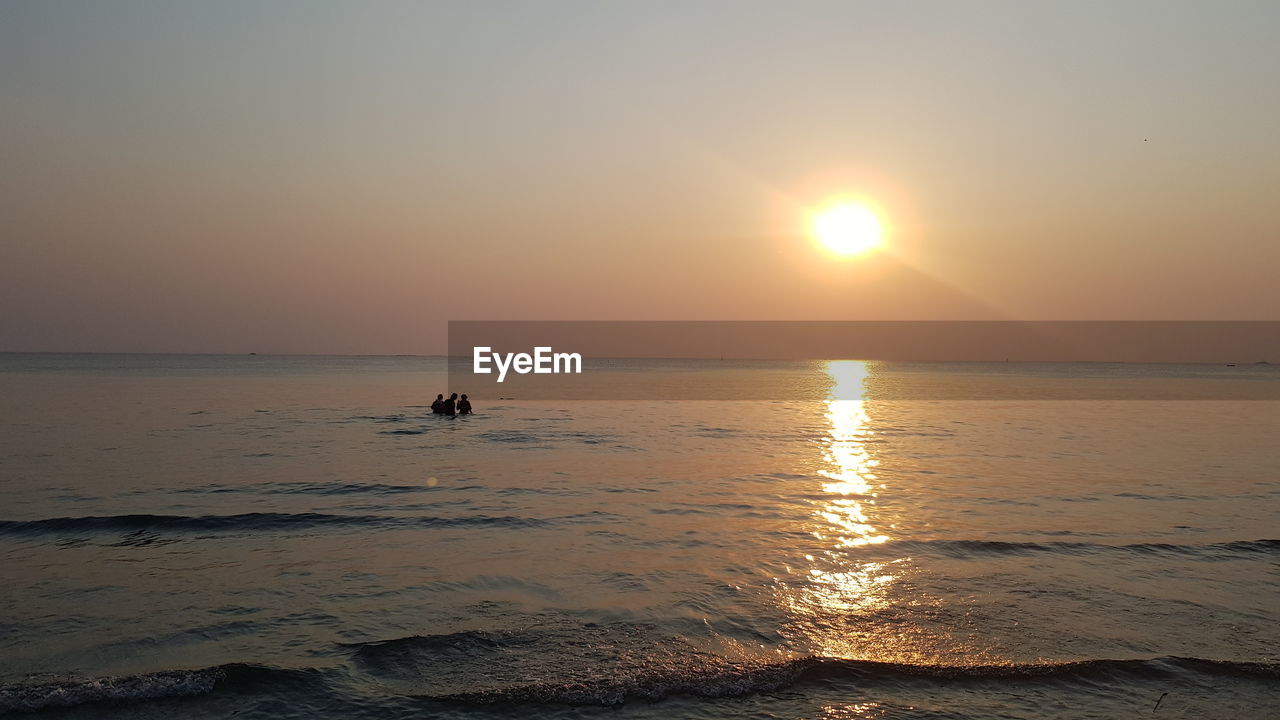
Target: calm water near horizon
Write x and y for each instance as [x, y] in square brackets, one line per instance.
[288, 537]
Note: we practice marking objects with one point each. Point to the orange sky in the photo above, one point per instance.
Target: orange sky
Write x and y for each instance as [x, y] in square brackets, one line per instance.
[342, 178]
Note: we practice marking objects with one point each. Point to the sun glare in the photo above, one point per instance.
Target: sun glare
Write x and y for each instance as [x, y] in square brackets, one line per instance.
[847, 230]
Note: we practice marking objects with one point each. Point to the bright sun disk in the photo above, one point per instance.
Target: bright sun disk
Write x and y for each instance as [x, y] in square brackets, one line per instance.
[848, 229]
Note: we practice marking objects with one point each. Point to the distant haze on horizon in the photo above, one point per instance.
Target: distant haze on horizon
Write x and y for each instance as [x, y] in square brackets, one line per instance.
[346, 178]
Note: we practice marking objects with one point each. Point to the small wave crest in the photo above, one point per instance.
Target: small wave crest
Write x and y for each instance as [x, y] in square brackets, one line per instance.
[70, 692]
[573, 664]
[307, 488]
[969, 548]
[1152, 668]
[611, 664]
[246, 522]
[67, 693]
[721, 682]
[735, 679]
[698, 675]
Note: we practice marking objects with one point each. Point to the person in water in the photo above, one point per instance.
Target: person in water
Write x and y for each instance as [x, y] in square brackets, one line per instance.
[448, 407]
[464, 405]
[437, 405]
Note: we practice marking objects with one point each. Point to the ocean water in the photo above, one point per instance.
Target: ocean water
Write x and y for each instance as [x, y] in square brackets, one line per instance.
[263, 537]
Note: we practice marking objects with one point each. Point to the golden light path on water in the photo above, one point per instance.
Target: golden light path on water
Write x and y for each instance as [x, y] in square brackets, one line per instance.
[840, 589]
[851, 464]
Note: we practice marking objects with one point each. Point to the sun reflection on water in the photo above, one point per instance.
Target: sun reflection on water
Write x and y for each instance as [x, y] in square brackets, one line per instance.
[854, 711]
[839, 587]
[849, 462]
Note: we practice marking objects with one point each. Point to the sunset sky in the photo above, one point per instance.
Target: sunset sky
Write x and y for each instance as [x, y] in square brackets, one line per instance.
[309, 177]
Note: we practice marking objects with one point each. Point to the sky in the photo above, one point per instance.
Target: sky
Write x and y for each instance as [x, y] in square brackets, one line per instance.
[301, 176]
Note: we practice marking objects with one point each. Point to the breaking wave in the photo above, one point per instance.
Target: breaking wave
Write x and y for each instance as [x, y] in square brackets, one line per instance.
[719, 679]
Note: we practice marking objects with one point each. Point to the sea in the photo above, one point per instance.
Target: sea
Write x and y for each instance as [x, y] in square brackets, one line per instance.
[276, 537]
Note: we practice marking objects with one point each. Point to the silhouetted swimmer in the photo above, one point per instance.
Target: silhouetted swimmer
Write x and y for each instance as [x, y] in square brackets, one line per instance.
[464, 405]
[448, 407]
[437, 405]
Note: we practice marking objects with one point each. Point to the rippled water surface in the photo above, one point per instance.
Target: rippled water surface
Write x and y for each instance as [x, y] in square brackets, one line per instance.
[300, 537]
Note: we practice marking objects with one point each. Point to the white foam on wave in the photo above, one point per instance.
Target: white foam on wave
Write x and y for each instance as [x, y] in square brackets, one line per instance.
[66, 693]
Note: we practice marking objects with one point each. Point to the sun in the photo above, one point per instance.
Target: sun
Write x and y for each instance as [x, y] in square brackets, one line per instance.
[847, 229]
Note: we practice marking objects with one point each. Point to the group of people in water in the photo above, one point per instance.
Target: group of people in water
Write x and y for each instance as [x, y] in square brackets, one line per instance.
[451, 406]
